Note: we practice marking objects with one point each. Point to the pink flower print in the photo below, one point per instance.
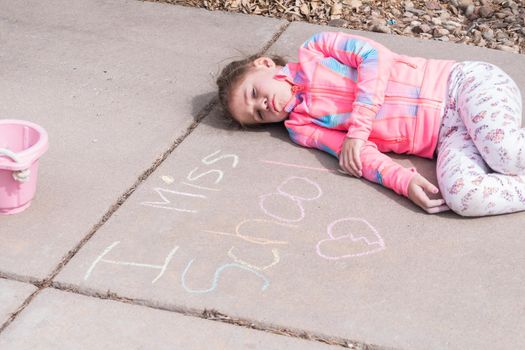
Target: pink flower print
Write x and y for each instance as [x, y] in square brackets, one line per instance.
[519, 160]
[478, 130]
[497, 178]
[479, 116]
[490, 206]
[474, 87]
[467, 198]
[469, 81]
[483, 100]
[477, 181]
[494, 104]
[494, 115]
[505, 194]
[499, 89]
[503, 154]
[466, 138]
[521, 197]
[451, 131]
[488, 191]
[495, 136]
[455, 171]
[452, 103]
[507, 108]
[509, 179]
[457, 186]
[486, 150]
[505, 100]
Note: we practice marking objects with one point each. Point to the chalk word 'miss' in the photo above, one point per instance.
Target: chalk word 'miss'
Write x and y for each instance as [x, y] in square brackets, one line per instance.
[197, 179]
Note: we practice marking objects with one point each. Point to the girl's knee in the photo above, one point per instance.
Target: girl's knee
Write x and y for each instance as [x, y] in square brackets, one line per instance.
[506, 160]
[465, 203]
[462, 195]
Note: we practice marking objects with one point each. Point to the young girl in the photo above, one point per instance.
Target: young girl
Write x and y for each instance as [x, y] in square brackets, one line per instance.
[355, 99]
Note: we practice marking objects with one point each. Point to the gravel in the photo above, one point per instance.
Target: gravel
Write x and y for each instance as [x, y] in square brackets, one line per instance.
[495, 24]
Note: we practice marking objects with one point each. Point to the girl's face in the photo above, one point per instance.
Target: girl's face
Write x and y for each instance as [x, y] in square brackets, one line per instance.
[259, 98]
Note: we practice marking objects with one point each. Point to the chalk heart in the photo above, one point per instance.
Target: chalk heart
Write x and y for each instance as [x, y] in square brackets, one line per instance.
[355, 238]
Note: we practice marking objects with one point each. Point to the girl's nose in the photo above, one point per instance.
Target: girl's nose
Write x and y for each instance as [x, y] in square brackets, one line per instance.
[265, 103]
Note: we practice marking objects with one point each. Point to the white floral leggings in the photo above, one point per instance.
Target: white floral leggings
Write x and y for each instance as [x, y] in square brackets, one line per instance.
[481, 147]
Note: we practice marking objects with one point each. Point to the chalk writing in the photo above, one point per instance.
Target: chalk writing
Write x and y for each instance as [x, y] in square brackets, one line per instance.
[256, 240]
[219, 174]
[347, 237]
[293, 198]
[366, 241]
[276, 259]
[167, 179]
[235, 158]
[100, 259]
[216, 277]
[166, 201]
[215, 174]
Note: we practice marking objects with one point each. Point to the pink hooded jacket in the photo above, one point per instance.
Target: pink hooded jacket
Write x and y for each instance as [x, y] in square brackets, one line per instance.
[349, 86]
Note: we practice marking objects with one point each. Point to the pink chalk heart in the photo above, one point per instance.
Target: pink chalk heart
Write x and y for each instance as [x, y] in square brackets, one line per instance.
[358, 240]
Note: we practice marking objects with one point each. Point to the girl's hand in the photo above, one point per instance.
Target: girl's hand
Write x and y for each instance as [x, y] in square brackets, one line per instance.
[349, 157]
[417, 192]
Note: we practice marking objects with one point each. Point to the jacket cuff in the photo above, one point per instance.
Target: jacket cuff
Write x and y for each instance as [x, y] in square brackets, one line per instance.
[404, 178]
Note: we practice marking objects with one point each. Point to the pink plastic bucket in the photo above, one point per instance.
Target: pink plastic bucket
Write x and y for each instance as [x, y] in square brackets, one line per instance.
[21, 144]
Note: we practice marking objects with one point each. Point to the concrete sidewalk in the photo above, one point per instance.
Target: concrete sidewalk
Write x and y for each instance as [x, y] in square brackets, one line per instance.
[157, 226]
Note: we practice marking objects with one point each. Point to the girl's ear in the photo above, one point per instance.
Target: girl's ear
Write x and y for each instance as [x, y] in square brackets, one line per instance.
[264, 62]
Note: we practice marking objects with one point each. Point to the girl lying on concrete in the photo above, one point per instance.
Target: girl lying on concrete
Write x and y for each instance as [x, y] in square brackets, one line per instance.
[355, 99]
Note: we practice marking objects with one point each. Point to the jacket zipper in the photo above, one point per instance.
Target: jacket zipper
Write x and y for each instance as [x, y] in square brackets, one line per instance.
[419, 101]
[389, 140]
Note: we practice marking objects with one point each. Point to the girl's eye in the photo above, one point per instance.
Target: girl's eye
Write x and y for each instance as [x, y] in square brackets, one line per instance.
[253, 93]
[259, 114]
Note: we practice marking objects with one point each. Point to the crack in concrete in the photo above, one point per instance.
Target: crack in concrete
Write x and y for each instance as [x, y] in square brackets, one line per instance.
[214, 315]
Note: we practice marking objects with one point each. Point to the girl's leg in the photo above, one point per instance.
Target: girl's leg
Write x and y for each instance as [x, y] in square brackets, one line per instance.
[467, 184]
[489, 103]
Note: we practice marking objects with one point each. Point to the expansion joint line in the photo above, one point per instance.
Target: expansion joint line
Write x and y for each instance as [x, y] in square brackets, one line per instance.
[214, 315]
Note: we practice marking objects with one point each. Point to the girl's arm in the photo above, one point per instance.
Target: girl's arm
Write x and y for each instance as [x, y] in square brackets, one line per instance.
[376, 166]
[372, 61]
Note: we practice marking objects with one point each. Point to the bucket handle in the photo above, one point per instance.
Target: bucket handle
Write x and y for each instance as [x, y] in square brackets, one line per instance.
[19, 175]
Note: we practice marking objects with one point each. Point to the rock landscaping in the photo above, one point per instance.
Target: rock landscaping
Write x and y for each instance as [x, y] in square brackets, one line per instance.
[495, 24]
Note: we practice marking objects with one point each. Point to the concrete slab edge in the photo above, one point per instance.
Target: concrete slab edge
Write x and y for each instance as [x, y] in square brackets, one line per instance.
[215, 315]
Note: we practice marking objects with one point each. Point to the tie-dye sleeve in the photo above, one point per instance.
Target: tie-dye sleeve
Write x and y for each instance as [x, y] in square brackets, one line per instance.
[377, 167]
[372, 61]
[381, 169]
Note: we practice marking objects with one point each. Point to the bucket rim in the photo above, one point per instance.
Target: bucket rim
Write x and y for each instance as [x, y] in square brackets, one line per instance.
[30, 154]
